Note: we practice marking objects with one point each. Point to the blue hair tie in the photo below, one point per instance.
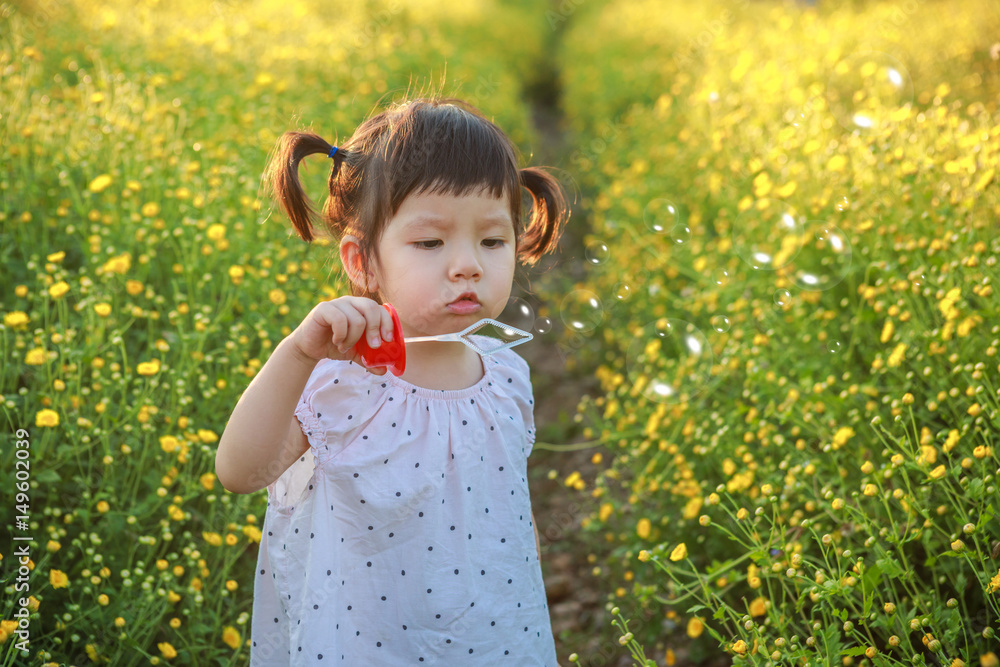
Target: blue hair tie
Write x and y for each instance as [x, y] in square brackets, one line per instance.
[333, 151]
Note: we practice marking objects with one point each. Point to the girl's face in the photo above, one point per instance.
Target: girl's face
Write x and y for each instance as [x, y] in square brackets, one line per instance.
[445, 262]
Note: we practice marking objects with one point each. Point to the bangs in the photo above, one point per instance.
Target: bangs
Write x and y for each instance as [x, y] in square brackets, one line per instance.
[444, 149]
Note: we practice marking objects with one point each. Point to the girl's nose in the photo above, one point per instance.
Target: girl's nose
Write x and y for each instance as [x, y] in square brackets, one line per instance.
[465, 264]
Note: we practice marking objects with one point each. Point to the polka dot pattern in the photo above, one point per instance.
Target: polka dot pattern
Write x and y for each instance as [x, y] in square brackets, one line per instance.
[404, 533]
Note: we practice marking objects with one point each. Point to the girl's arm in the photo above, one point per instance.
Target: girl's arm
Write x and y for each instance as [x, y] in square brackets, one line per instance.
[263, 436]
[534, 525]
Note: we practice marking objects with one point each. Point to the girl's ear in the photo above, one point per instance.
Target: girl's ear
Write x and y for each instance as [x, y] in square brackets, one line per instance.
[354, 263]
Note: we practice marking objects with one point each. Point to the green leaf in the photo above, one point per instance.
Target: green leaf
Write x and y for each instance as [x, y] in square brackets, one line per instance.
[697, 607]
[871, 580]
[854, 650]
[985, 517]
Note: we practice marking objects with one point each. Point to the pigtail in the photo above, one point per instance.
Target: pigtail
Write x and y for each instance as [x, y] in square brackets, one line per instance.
[549, 214]
[282, 177]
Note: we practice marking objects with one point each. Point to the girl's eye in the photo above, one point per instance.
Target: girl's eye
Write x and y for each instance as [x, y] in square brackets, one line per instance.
[427, 245]
[494, 243]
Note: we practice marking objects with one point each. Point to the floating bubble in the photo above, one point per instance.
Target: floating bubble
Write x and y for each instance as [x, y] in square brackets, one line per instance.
[720, 323]
[670, 361]
[833, 346]
[543, 325]
[720, 277]
[582, 311]
[782, 298]
[842, 204]
[517, 313]
[622, 292]
[680, 233]
[661, 216]
[824, 260]
[866, 89]
[597, 252]
[768, 234]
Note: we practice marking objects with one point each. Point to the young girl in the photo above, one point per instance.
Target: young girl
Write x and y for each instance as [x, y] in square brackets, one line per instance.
[399, 528]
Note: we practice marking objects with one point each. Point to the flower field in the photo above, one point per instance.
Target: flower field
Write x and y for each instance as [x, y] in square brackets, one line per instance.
[794, 246]
[788, 243]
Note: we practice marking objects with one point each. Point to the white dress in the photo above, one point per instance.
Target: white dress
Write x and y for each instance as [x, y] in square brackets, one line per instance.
[403, 536]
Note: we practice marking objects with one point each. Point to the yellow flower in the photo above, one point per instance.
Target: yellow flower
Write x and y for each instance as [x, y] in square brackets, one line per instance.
[216, 232]
[99, 183]
[938, 472]
[118, 264]
[680, 552]
[236, 274]
[102, 309]
[740, 647]
[695, 627]
[643, 556]
[148, 367]
[870, 490]
[133, 287]
[212, 538]
[59, 289]
[276, 296]
[758, 607]
[167, 650]
[207, 481]
[843, 434]
[35, 357]
[56, 256]
[58, 579]
[253, 533]
[231, 637]
[605, 511]
[168, 443]
[836, 163]
[642, 528]
[15, 318]
[102, 506]
[150, 209]
[897, 356]
[207, 436]
[887, 331]
[47, 418]
[989, 660]
[995, 583]
[982, 451]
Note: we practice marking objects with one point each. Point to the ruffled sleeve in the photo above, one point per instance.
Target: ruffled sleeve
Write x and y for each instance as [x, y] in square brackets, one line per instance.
[327, 411]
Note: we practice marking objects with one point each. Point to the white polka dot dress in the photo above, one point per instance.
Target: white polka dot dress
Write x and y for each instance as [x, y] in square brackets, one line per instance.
[403, 536]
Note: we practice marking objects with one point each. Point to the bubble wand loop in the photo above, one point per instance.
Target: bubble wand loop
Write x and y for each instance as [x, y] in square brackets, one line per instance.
[392, 354]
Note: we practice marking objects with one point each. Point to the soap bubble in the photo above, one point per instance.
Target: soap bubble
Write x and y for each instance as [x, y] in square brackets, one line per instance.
[866, 88]
[768, 234]
[720, 323]
[782, 298]
[720, 277]
[680, 233]
[842, 204]
[597, 252]
[581, 311]
[670, 361]
[543, 325]
[622, 291]
[519, 314]
[661, 216]
[824, 260]
[832, 346]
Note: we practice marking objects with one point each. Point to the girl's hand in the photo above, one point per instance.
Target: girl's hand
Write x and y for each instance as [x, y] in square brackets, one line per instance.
[332, 328]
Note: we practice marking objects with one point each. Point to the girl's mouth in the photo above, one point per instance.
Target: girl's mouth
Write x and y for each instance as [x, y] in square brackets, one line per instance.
[465, 304]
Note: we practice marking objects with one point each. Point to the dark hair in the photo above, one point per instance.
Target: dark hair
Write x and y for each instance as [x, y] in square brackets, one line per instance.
[435, 145]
